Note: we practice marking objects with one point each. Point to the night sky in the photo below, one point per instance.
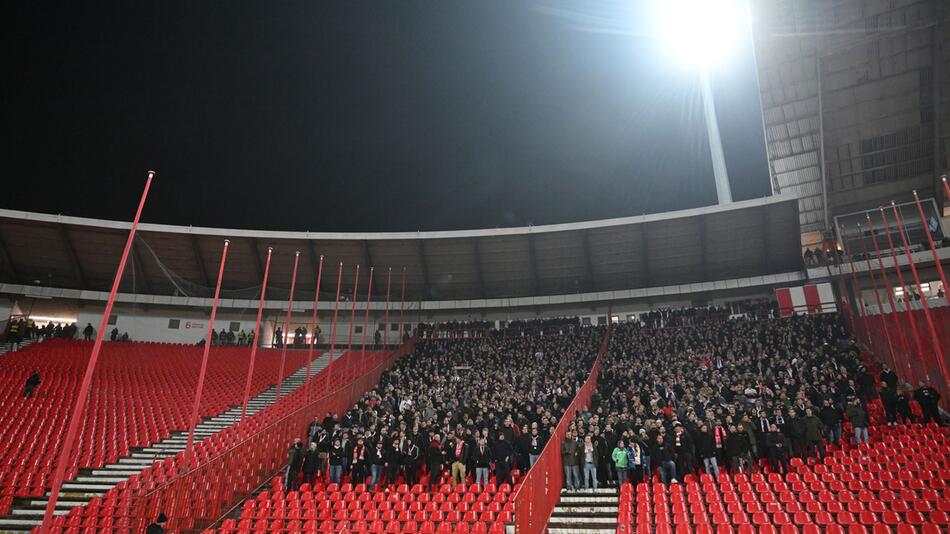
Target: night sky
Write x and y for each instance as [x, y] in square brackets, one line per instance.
[362, 115]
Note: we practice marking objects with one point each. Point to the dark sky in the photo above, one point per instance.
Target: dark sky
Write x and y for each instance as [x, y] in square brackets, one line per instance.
[361, 115]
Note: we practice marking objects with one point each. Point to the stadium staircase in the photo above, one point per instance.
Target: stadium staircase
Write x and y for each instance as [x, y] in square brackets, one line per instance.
[8, 347]
[593, 512]
[27, 512]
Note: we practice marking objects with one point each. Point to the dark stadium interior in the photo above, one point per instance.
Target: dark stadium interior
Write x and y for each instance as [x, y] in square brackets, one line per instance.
[476, 267]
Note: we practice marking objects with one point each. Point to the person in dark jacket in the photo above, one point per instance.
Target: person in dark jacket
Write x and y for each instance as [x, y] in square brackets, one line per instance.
[535, 446]
[158, 527]
[410, 461]
[32, 382]
[859, 421]
[682, 443]
[889, 401]
[435, 457]
[481, 459]
[706, 451]
[665, 460]
[358, 459]
[902, 405]
[814, 428]
[830, 417]
[889, 378]
[738, 450]
[570, 460]
[312, 463]
[794, 430]
[295, 457]
[379, 460]
[777, 445]
[928, 398]
[336, 462]
[502, 452]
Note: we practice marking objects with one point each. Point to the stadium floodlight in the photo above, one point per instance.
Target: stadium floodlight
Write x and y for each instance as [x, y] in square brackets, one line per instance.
[702, 33]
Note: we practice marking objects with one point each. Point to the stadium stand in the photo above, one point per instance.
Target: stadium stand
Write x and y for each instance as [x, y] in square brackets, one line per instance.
[498, 388]
[142, 393]
[228, 465]
[719, 381]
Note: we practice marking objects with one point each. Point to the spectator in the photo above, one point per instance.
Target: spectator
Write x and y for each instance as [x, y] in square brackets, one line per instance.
[336, 462]
[32, 382]
[88, 332]
[311, 464]
[589, 455]
[158, 527]
[859, 421]
[929, 399]
[295, 459]
[482, 458]
[569, 459]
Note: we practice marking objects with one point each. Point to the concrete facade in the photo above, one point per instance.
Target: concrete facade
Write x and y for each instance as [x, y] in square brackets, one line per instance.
[855, 101]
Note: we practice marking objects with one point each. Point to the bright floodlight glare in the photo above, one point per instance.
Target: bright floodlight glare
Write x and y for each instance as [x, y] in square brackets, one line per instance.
[700, 32]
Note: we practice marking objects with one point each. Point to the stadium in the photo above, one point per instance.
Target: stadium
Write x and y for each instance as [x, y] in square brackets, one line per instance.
[742, 327]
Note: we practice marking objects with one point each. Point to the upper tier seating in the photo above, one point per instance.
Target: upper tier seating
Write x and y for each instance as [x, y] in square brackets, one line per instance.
[141, 393]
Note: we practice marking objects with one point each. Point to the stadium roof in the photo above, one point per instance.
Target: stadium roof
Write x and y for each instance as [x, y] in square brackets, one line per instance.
[743, 239]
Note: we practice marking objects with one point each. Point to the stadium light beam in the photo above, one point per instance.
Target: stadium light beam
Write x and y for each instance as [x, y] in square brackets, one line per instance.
[701, 34]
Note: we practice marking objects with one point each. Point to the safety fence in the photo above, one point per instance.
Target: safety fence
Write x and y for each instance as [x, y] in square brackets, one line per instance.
[541, 487]
[904, 342]
[200, 496]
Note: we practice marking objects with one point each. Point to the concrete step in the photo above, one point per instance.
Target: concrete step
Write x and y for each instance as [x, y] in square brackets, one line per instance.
[585, 510]
[88, 487]
[59, 503]
[22, 523]
[587, 500]
[100, 480]
[115, 472]
[580, 530]
[36, 512]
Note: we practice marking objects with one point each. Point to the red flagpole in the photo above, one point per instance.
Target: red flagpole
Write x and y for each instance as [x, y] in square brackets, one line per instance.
[204, 357]
[908, 311]
[402, 307]
[930, 240]
[290, 312]
[313, 325]
[890, 299]
[843, 287]
[257, 333]
[856, 287]
[336, 310]
[389, 279]
[356, 286]
[80, 406]
[935, 339]
[877, 300]
[369, 298]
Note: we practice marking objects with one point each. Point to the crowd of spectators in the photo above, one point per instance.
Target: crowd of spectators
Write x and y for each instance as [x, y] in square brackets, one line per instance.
[739, 393]
[461, 406]
[19, 329]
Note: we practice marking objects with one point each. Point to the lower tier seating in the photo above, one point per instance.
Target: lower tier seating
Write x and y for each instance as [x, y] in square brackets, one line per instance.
[141, 393]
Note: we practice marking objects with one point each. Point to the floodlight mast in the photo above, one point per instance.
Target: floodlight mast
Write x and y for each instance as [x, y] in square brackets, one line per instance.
[701, 33]
[723, 189]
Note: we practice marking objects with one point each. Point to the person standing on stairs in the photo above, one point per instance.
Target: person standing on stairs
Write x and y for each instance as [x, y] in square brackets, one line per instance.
[590, 454]
[569, 459]
[295, 458]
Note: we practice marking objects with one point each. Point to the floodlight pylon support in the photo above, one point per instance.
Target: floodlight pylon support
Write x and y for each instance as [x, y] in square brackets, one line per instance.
[723, 189]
